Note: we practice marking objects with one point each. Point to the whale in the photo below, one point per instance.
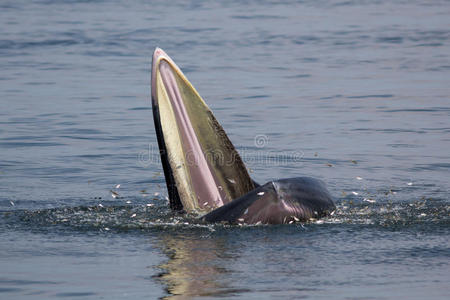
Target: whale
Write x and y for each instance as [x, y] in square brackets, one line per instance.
[204, 174]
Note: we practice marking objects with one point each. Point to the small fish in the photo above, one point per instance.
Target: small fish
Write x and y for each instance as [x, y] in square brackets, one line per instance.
[241, 220]
[114, 194]
[106, 229]
[128, 202]
[358, 178]
[409, 183]
[117, 186]
[100, 205]
[369, 200]
[296, 219]
[246, 211]
[149, 204]
[206, 203]
[332, 213]
[355, 193]
[156, 194]
[290, 222]
[231, 180]
[133, 215]
[260, 193]
[258, 223]
[12, 203]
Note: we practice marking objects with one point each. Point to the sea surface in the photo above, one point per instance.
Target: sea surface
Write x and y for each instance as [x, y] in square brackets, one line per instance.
[356, 93]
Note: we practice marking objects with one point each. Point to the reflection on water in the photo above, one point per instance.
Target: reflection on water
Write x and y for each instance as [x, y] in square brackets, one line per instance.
[195, 266]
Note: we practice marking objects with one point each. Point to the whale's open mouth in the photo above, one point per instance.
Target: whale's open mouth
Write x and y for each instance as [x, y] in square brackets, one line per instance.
[202, 168]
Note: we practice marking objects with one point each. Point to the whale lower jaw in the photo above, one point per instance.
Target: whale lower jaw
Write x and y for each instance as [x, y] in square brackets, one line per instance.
[203, 170]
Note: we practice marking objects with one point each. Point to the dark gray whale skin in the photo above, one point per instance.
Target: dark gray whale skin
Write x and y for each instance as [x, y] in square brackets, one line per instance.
[277, 202]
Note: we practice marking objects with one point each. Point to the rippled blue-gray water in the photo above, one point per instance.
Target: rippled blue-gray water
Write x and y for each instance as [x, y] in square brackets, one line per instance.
[356, 93]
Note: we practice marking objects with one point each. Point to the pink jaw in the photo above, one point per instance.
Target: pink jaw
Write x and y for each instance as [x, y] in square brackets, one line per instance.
[203, 182]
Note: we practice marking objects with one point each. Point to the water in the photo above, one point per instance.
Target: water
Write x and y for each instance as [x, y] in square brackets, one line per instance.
[353, 92]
